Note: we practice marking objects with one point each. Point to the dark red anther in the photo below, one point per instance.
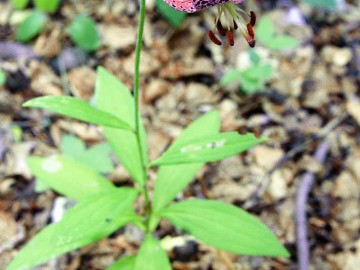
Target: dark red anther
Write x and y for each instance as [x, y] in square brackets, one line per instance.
[230, 38]
[250, 30]
[251, 43]
[235, 25]
[252, 18]
[214, 39]
[220, 28]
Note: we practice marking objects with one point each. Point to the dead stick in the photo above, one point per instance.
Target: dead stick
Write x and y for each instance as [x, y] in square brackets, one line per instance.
[303, 192]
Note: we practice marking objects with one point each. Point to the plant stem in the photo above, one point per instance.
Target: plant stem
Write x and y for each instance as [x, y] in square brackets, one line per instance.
[137, 109]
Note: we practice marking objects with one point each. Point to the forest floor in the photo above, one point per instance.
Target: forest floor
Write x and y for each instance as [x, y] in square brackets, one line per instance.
[309, 104]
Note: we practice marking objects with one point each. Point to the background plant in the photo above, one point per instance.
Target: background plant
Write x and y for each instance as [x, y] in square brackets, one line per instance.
[82, 30]
[253, 78]
[103, 208]
[2, 77]
[266, 34]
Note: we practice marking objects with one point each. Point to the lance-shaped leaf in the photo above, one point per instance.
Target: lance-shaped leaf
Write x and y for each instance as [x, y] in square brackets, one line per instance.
[172, 179]
[88, 222]
[112, 96]
[69, 176]
[224, 226]
[78, 109]
[151, 256]
[208, 148]
[124, 263]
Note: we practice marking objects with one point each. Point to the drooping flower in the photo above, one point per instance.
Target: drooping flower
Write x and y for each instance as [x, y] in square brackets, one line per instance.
[229, 18]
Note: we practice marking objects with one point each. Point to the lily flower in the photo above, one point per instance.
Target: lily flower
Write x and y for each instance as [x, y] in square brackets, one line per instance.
[229, 18]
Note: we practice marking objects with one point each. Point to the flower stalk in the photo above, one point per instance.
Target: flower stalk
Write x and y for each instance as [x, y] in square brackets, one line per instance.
[142, 151]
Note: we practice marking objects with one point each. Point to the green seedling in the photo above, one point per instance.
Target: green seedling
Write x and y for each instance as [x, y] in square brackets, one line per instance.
[31, 26]
[82, 30]
[2, 77]
[84, 33]
[326, 4]
[267, 36]
[47, 5]
[252, 79]
[103, 208]
[19, 4]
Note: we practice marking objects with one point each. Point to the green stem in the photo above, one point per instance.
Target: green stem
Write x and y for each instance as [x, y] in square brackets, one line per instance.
[137, 109]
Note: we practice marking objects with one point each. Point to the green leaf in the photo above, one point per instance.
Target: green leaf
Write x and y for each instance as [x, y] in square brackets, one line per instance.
[224, 226]
[112, 96]
[265, 30]
[88, 222]
[69, 176]
[251, 86]
[265, 33]
[281, 42]
[151, 256]
[258, 73]
[40, 186]
[96, 157]
[47, 5]
[124, 263]
[208, 148]
[19, 4]
[329, 4]
[72, 146]
[78, 109]
[31, 26]
[172, 179]
[230, 76]
[254, 57]
[84, 33]
[173, 16]
[2, 77]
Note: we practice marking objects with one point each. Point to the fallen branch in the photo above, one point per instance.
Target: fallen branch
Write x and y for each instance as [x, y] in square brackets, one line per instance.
[303, 192]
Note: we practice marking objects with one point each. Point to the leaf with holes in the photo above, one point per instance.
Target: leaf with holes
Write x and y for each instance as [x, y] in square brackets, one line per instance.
[172, 179]
[208, 148]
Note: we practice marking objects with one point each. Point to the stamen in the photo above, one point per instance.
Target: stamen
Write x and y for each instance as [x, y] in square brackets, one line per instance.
[234, 18]
[230, 38]
[235, 25]
[250, 30]
[252, 18]
[214, 39]
[251, 42]
[220, 28]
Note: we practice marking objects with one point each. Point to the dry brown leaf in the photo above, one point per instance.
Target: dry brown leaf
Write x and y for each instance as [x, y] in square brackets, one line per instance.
[82, 81]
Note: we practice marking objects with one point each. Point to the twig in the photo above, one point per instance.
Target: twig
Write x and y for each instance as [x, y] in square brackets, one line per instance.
[303, 192]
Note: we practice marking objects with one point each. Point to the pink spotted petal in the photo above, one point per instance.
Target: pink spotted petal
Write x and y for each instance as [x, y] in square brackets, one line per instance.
[182, 5]
[196, 5]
